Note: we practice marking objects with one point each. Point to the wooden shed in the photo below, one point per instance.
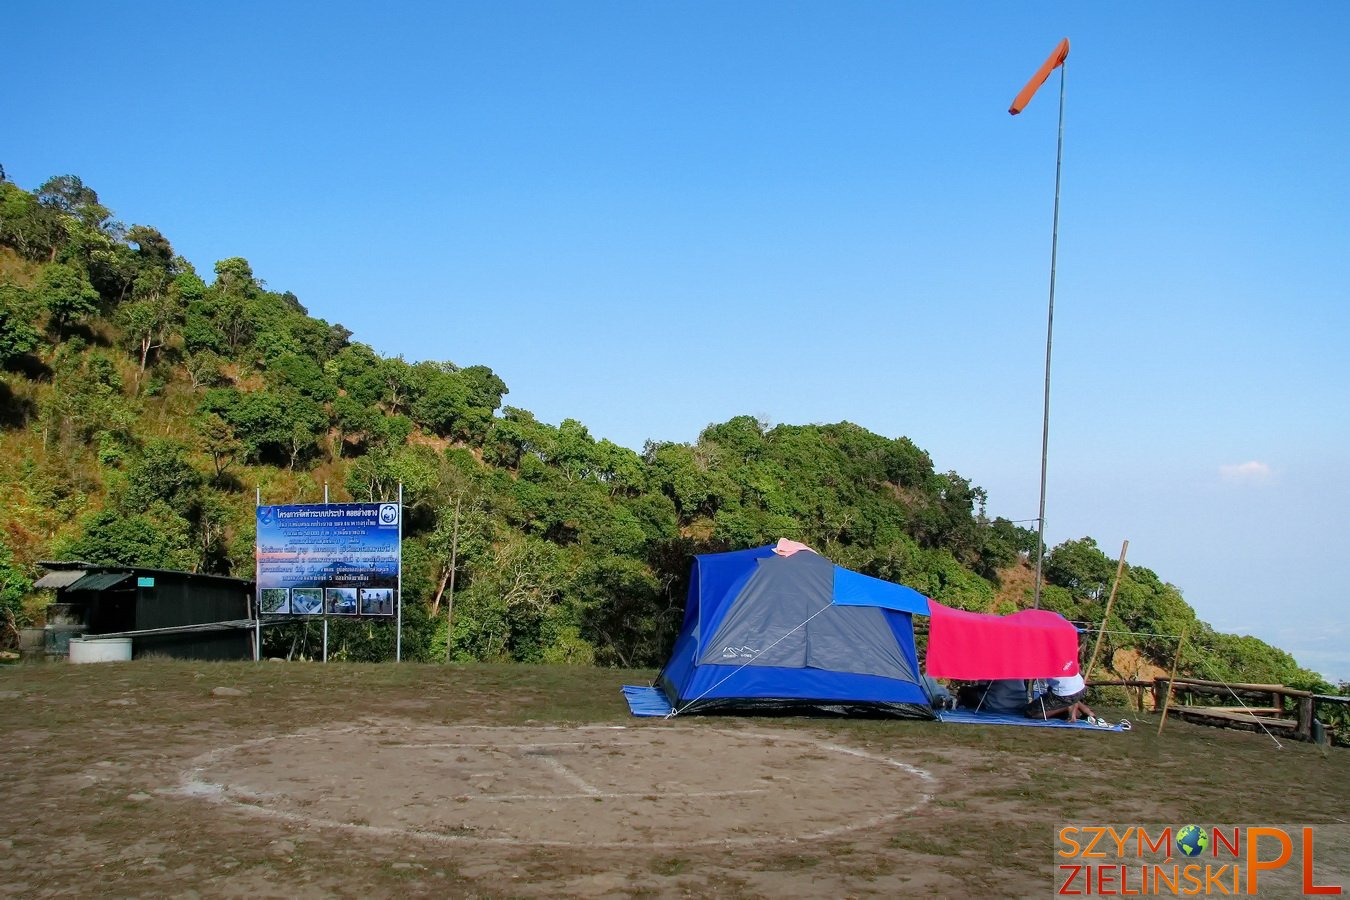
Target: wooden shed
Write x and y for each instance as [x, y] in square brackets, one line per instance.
[180, 614]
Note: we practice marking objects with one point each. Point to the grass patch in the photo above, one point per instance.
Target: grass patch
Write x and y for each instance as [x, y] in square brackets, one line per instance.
[669, 866]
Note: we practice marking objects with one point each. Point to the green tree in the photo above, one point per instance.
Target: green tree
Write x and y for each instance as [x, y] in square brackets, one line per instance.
[157, 538]
[950, 519]
[397, 385]
[357, 371]
[205, 369]
[17, 335]
[518, 434]
[234, 276]
[154, 311]
[741, 438]
[271, 425]
[376, 476]
[86, 399]
[230, 307]
[232, 320]
[70, 196]
[460, 541]
[33, 230]
[624, 612]
[163, 473]
[217, 439]
[355, 423]
[15, 585]
[485, 388]
[301, 374]
[441, 397]
[513, 594]
[574, 451]
[66, 294]
[153, 250]
[620, 468]
[454, 402]
[214, 520]
[1003, 545]
[201, 334]
[1080, 567]
[678, 472]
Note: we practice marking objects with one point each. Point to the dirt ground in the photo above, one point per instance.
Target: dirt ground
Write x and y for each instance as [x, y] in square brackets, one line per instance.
[162, 778]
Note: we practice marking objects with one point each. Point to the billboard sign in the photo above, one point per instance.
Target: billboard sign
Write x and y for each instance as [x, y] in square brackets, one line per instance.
[337, 559]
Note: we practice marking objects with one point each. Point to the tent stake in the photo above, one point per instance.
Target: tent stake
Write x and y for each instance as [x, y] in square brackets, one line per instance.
[1167, 698]
[1120, 567]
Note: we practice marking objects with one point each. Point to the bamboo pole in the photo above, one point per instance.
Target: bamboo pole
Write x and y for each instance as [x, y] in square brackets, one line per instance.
[1167, 698]
[1101, 632]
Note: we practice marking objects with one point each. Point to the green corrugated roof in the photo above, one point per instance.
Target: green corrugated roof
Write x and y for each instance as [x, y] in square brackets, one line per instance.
[100, 581]
[60, 578]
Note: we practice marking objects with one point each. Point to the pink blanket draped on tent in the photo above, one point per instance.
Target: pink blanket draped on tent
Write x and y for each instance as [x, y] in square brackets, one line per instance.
[1033, 643]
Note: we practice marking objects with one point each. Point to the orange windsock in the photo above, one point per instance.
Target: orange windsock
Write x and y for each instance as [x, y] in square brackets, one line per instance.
[1055, 60]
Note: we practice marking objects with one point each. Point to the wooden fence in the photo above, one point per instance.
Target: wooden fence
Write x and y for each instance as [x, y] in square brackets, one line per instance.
[1253, 707]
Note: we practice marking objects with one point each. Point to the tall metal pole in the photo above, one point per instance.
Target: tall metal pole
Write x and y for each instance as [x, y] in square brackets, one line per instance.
[1049, 335]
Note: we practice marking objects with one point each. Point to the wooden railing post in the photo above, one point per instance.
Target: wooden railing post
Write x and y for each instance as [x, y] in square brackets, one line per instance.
[1305, 719]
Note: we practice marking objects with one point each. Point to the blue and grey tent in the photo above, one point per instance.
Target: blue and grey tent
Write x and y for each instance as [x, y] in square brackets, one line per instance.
[767, 633]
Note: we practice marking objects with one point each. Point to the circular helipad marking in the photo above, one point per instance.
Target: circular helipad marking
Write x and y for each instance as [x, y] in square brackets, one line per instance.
[652, 786]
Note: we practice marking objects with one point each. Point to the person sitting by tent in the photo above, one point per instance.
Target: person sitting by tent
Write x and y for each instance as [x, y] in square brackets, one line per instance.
[1004, 695]
[1062, 699]
[938, 695]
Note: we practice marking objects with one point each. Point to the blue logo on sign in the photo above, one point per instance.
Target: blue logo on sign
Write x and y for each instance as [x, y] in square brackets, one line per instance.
[388, 513]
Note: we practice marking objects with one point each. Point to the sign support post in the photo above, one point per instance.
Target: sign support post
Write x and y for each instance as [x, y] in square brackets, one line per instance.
[398, 593]
[325, 605]
[257, 606]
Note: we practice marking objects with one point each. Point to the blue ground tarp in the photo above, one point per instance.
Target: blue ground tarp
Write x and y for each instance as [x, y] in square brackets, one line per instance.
[646, 701]
[971, 717]
[651, 702]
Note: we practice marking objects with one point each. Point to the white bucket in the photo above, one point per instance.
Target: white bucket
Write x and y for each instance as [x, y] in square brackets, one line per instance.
[90, 650]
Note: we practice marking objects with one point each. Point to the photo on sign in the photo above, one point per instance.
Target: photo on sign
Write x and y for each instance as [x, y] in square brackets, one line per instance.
[307, 601]
[377, 601]
[275, 601]
[341, 601]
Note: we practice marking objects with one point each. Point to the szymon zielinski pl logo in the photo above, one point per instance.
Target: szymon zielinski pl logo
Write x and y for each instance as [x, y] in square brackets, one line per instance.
[1200, 860]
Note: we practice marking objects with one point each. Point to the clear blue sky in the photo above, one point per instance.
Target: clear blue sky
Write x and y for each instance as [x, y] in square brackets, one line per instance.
[653, 216]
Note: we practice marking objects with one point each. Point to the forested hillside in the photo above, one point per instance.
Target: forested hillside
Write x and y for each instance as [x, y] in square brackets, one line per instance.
[142, 402]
